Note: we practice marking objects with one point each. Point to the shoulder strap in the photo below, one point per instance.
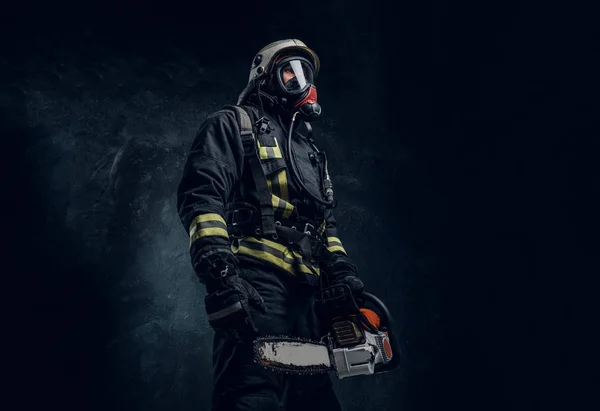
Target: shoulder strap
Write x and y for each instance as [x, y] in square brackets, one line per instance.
[267, 213]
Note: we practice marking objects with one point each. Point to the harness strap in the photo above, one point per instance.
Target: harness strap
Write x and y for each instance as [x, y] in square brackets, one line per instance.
[307, 238]
[309, 242]
[260, 180]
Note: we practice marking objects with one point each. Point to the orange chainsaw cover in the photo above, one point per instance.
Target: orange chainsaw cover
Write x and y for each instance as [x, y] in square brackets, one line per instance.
[372, 317]
[375, 321]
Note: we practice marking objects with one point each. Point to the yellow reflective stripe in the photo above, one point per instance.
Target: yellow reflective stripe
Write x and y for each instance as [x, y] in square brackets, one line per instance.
[274, 259]
[263, 255]
[209, 217]
[270, 185]
[262, 151]
[205, 221]
[275, 201]
[276, 150]
[336, 248]
[334, 244]
[321, 228]
[303, 268]
[283, 185]
[269, 152]
[272, 244]
[287, 208]
[205, 218]
[210, 231]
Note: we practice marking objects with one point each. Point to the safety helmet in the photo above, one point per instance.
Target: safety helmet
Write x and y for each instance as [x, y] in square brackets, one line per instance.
[265, 59]
[287, 59]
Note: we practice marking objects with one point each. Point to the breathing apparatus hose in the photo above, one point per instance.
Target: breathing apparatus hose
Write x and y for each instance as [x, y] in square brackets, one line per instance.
[296, 175]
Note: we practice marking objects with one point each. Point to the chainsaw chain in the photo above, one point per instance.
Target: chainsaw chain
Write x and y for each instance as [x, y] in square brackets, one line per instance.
[289, 369]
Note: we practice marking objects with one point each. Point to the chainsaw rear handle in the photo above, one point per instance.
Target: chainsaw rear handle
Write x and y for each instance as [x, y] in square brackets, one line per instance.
[388, 322]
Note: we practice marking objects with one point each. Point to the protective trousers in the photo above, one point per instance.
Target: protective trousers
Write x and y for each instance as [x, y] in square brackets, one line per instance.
[242, 385]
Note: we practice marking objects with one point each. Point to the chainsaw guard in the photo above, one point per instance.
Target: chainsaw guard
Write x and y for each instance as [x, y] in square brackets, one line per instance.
[389, 327]
[337, 302]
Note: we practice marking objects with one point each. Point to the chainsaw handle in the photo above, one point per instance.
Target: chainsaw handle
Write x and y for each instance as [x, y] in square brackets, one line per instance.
[388, 322]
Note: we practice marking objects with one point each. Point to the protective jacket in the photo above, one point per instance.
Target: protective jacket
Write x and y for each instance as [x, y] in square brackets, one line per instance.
[219, 202]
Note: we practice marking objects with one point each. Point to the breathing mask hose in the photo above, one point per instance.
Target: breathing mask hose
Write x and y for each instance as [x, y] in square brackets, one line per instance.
[296, 174]
[328, 184]
[261, 114]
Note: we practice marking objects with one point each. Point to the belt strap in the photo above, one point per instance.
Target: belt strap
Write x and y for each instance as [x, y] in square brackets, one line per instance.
[260, 180]
[308, 241]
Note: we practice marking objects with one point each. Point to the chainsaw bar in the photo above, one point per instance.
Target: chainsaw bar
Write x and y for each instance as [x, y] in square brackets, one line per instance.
[292, 355]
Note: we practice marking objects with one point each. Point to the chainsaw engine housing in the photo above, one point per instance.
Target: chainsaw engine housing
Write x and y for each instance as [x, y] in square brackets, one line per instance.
[361, 359]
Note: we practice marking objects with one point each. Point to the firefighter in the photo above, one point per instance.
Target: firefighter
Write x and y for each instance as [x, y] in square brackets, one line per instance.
[257, 201]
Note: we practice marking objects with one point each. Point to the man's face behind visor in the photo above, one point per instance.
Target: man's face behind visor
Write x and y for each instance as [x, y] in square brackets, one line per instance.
[294, 75]
[293, 81]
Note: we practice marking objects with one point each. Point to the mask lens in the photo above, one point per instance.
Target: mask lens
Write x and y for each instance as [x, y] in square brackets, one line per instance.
[296, 75]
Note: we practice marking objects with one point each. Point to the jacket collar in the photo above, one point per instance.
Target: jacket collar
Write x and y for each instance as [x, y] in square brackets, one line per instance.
[271, 107]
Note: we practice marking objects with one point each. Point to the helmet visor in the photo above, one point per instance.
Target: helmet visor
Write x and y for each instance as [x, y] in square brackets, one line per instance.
[295, 75]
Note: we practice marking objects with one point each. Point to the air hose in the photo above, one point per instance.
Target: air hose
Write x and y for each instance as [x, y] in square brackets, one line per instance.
[328, 186]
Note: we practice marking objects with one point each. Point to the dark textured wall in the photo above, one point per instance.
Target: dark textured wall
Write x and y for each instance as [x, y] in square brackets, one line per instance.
[438, 129]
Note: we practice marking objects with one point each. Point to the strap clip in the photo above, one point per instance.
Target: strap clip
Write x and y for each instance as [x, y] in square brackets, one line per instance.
[309, 229]
[263, 125]
[240, 219]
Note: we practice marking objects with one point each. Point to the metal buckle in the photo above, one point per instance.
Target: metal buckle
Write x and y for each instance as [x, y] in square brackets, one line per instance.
[235, 222]
[263, 124]
[307, 229]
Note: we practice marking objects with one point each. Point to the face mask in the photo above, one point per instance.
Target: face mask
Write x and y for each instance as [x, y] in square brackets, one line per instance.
[294, 84]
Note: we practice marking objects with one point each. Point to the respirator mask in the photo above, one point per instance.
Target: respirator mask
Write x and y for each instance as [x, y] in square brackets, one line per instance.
[294, 84]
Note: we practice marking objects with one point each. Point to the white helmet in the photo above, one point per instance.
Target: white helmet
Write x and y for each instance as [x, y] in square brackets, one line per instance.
[265, 61]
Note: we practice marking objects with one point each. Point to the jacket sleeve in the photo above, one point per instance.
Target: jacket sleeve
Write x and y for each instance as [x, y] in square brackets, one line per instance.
[213, 167]
[339, 263]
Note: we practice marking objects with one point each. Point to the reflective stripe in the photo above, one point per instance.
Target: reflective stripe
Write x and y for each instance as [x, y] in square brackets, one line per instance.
[269, 152]
[278, 184]
[225, 311]
[331, 240]
[288, 209]
[283, 207]
[321, 228]
[336, 248]
[273, 182]
[283, 185]
[206, 225]
[303, 268]
[208, 232]
[205, 218]
[265, 256]
[274, 253]
[268, 243]
[334, 244]
[276, 150]
[275, 201]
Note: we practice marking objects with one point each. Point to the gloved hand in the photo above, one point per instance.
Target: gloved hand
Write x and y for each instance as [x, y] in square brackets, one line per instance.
[341, 270]
[228, 304]
[349, 278]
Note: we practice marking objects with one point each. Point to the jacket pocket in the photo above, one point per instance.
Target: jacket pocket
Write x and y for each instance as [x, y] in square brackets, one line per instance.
[272, 166]
[269, 150]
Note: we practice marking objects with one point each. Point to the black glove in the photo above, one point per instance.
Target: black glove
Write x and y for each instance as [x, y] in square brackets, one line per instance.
[342, 271]
[356, 285]
[228, 304]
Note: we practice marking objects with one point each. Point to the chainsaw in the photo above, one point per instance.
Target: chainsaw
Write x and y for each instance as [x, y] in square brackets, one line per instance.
[360, 340]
